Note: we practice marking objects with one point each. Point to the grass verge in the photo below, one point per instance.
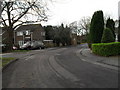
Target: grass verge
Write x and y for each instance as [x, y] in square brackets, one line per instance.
[6, 60]
[20, 50]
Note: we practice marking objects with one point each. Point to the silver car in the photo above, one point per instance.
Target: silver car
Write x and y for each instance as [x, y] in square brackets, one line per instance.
[33, 45]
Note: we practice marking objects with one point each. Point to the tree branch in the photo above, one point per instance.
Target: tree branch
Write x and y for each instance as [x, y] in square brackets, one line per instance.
[3, 7]
[4, 21]
[23, 14]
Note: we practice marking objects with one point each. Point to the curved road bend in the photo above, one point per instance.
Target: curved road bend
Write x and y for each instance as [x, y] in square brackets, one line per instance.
[58, 68]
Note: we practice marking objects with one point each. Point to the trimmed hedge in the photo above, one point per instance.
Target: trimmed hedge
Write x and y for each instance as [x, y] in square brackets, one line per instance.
[106, 49]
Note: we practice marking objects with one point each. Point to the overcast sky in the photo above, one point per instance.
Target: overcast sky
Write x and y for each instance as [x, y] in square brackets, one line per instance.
[67, 11]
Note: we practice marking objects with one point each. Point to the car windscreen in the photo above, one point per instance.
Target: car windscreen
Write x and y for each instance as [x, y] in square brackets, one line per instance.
[27, 43]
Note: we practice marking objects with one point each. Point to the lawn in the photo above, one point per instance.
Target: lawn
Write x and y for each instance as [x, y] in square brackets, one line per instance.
[6, 60]
[20, 50]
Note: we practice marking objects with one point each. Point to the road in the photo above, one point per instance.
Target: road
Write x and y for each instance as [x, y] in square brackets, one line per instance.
[58, 68]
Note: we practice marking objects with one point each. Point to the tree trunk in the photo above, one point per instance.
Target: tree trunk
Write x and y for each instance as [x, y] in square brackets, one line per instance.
[10, 38]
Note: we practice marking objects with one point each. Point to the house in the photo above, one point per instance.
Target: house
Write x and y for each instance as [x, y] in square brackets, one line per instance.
[73, 33]
[81, 39]
[29, 32]
[73, 39]
[73, 36]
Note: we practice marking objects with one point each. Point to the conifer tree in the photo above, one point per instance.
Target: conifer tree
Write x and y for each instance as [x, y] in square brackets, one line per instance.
[96, 27]
[111, 25]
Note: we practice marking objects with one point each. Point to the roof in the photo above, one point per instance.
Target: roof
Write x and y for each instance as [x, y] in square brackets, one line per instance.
[28, 27]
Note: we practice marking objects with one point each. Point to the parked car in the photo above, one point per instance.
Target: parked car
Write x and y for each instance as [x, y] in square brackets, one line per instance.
[27, 45]
[33, 45]
[14, 47]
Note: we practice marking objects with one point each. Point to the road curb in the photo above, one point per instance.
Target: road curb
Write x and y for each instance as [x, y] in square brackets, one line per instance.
[3, 68]
[108, 64]
[7, 65]
[78, 53]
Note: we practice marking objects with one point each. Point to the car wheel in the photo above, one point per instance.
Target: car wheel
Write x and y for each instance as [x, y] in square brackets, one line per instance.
[40, 48]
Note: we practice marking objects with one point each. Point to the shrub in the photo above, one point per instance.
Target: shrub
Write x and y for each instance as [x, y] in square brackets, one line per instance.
[107, 36]
[111, 25]
[96, 27]
[88, 41]
[106, 49]
[48, 45]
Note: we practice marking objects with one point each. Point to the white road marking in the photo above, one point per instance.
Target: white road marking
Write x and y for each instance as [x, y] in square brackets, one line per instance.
[58, 54]
[31, 57]
[83, 60]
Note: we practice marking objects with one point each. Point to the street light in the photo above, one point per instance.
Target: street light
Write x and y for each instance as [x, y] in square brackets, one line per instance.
[24, 37]
[31, 33]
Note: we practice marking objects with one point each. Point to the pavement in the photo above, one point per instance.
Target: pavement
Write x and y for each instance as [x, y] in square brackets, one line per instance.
[111, 62]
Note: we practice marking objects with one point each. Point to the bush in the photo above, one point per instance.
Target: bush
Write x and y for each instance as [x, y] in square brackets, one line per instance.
[88, 41]
[111, 25]
[96, 27]
[48, 45]
[5, 48]
[106, 49]
[107, 36]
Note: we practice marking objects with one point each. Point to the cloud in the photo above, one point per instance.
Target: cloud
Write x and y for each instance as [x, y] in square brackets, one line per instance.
[75, 9]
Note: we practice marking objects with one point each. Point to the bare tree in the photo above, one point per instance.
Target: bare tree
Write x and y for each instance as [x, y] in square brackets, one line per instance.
[106, 16]
[17, 12]
[21, 11]
[73, 27]
[84, 25]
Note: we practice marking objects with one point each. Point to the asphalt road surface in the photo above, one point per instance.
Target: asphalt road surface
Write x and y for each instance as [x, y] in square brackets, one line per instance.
[57, 68]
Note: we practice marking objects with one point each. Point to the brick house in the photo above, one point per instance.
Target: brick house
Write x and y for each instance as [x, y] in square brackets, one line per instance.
[29, 32]
[73, 36]
[73, 39]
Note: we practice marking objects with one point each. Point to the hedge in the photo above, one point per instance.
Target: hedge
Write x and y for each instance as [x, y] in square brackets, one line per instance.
[106, 49]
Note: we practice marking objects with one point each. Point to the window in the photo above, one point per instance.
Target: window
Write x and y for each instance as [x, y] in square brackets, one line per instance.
[28, 32]
[42, 33]
[20, 43]
[19, 33]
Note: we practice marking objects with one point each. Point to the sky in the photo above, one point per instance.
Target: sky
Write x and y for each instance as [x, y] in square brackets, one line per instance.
[68, 11]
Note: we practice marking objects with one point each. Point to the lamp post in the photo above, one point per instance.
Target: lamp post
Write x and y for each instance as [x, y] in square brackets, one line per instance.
[31, 33]
[24, 37]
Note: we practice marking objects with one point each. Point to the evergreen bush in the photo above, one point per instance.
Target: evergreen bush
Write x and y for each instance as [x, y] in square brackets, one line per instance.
[107, 36]
[111, 25]
[96, 27]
